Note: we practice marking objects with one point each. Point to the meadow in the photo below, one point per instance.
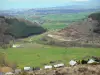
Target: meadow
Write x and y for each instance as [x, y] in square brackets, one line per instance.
[60, 21]
[34, 54]
[55, 21]
[38, 55]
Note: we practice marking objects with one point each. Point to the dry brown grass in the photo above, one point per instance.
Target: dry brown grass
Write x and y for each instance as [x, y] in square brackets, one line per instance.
[6, 69]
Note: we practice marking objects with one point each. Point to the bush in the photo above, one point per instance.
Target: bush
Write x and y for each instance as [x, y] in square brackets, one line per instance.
[4, 61]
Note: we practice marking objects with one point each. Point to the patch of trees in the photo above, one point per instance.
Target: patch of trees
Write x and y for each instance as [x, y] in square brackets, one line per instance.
[21, 28]
[5, 63]
[95, 16]
[4, 29]
[3, 60]
[11, 28]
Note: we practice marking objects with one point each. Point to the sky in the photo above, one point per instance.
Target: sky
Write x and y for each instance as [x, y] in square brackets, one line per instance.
[16, 4]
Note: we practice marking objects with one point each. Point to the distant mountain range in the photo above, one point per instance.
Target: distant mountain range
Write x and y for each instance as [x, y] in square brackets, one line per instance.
[52, 10]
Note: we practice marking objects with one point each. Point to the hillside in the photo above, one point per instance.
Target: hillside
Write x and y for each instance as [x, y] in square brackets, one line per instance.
[19, 27]
[12, 28]
[78, 34]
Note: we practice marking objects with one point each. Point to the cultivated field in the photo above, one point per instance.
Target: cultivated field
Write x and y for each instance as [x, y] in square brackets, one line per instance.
[55, 21]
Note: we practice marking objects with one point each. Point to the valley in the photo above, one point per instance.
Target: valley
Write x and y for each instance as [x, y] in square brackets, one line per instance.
[50, 36]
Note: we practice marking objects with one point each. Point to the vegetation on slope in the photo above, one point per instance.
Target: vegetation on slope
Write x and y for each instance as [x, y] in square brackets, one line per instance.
[23, 28]
[95, 16]
[77, 34]
[4, 61]
[17, 28]
[4, 28]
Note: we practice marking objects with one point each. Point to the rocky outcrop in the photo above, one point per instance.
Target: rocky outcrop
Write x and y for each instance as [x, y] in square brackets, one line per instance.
[76, 70]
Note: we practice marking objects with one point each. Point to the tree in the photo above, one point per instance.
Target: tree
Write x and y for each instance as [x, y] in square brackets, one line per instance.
[3, 59]
[4, 29]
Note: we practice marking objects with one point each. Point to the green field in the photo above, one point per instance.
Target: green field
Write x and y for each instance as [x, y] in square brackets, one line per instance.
[37, 55]
[55, 21]
[59, 21]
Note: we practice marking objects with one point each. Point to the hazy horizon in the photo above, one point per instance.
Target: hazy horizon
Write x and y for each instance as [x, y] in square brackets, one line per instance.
[25, 4]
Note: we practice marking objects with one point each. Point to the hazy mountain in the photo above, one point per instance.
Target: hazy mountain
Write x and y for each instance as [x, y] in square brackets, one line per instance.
[73, 8]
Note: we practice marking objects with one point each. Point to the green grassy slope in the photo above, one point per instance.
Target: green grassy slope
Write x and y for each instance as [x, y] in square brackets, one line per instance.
[38, 55]
[23, 28]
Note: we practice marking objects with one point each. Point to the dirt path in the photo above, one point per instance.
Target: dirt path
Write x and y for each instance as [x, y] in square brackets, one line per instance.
[60, 37]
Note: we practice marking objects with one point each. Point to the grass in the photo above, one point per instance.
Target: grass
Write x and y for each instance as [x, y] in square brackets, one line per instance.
[54, 26]
[56, 21]
[60, 21]
[39, 55]
[66, 17]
